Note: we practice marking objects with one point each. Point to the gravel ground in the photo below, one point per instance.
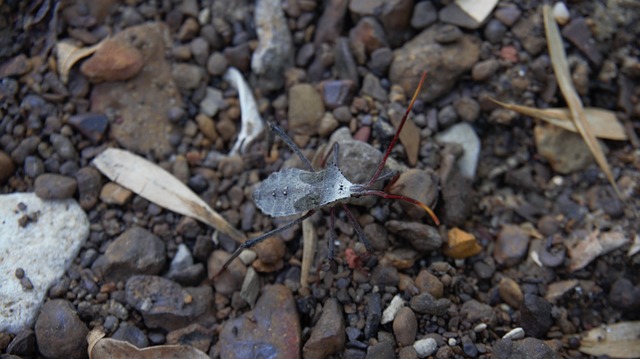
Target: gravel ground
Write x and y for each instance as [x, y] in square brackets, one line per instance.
[535, 247]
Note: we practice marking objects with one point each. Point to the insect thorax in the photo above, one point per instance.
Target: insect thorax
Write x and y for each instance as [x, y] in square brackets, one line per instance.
[293, 190]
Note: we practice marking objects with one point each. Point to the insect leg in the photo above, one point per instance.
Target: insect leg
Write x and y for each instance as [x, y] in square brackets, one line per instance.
[359, 231]
[280, 132]
[332, 240]
[253, 241]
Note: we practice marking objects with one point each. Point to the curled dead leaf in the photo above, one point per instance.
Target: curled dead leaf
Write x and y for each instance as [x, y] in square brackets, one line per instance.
[68, 54]
[106, 348]
[616, 341]
[252, 124]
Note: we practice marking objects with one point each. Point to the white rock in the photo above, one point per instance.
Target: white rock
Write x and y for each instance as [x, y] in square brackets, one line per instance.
[390, 313]
[425, 347]
[182, 260]
[44, 248]
[464, 135]
[561, 13]
[514, 334]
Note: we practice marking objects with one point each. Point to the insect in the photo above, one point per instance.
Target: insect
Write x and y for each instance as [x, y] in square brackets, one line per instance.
[293, 191]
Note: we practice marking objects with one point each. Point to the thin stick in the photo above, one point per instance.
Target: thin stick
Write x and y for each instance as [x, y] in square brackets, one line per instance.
[405, 199]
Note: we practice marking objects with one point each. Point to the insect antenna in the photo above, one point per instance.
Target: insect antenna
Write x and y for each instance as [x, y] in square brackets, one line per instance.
[366, 189]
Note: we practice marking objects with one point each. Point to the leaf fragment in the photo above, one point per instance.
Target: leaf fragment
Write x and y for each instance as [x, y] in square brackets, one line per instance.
[68, 54]
[561, 69]
[252, 124]
[107, 348]
[618, 340]
[155, 184]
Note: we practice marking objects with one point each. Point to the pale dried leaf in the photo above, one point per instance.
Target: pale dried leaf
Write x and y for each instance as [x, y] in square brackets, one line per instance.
[477, 9]
[561, 69]
[106, 348]
[310, 238]
[252, 124]
[596, 244]
[160, 187]
[68, 54]
[603, 123]
[556, 290]
[635, 247]
[616, 341]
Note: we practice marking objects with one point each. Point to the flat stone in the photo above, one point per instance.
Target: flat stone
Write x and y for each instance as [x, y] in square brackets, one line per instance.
[395, 16]
[535, 316]
[305, 109]
[423, 237]
[270, 330]
[275, 52]
[511, 245]
[51, 235]
[53, 186]
[381, 350]
[91, 125]
[116, 60]
[526, 348]
[142, 129]
[475, 312]
[328, 335]
[444, 63]
[164, 304]
[59, 331]
[579, 34]
[421, 185]
[113, 193]
[136, 251]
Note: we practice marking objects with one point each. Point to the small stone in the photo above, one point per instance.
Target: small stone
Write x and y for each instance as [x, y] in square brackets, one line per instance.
[464, 135]
[374, 315]
[199, 50]
[514, 334]
[213, 101]
[131, 334]
[453, 14]
[231, 279]
[113, 193]
[15, 66]
[23, 344]
[384, 276]
[475, 312]
[187, 76]
[531, 348]
[561, 13]
[429, 283]
[405, 326]
[510, 292]
[395, 16]
[371, 87]
[63, 146]
[624, 295]
[53, 186]
[382, 350]
[424, 15]
[447, 34]
[115, 60]
[327, 125]
[366, 37]
[239, 56]
[511, 245]
[483, 70]
[392, 310]
[566, 151]
[508, 15]
[89, 184]
[535, 316]
[467, 109]
[461, 244]
[425, 347]
[494, 31]
[380, 61]
[423, 238]
[270, 252]
[6, 167]
[336, 93]
[377, 235]
[136, 251]
[425, 303]
[59, 331]
[194, 335]
[217, 64]
[306, 109]
[207, 127]
[91, 125]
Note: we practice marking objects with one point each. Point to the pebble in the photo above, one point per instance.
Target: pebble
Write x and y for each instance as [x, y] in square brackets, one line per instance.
[275, 51]
[270, 253]
[508, 15]
[59, 331]
[424, 15]
[15, 66]
[199, 50]
[91, 125]
[194, 335]
[425, 347]
[382, 350]
[535, 316]
[380, 61]
[27, 147]
[561, 13]
[423, 53]
[187, 76]
[514, 334]
[624, 295]
[89, 183]
[447, 116]
[366, 37]
[273, 326]
[461, 244]
[453, 14]
[389, 314]
[527, 30]
[526, 348]
[395, 17]
[6, 167]
[164, 304]
[510, 292]
[23, 344]
[475, 312]
[52, 186]
[483, 70]
[464, 135]
[33, 166]
[217, 64]
[425, 303]
[239, 56]
[467, 109]
[447, 34]
[231, 279]
[131, 334]
[578, 33]
[423, 238]
[429, 283]
[116, 60]
[212, 102]
[327, 125]
[306, 109]
[371, 87]
[113, 193]
[405, 326]
[337, 93]
[207, 127]
[374, 314]
[384, 276]
[136, 251]
[565, 150]
[494, 31]
[511, 245]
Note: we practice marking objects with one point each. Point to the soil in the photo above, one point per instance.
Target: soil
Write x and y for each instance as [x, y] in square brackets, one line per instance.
[534, 246]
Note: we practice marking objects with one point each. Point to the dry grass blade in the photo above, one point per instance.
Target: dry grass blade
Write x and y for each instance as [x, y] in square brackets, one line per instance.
[160, 187]
[617, 340]
[603, 123]
[310, 238]
[561, 69]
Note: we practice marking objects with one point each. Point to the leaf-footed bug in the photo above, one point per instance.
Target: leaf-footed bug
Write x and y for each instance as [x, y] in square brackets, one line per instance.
[291, 191]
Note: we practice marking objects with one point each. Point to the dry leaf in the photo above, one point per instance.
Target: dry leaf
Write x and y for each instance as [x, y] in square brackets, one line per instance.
[596, 244]
[461, 244]
[603, 123]
[617, 340]
[556, 290]
[561, 69]
[310, 238]
[160, 187]
[635, 247]
[68, 54]
[477, 9]
[106, 348]
[252, 124]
